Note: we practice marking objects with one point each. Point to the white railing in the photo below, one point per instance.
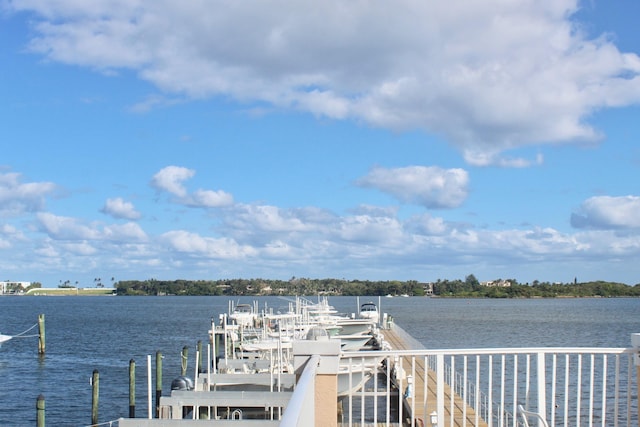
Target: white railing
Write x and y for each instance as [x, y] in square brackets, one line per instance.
[564, 386]
[300, 409]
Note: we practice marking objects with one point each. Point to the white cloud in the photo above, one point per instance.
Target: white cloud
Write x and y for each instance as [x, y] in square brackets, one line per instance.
[118, 208]
[213, 248]
[607, 212]
[432, 187]
[17, 197]
[489, 76]
[209, 198]
[73, 229]
[171, 178]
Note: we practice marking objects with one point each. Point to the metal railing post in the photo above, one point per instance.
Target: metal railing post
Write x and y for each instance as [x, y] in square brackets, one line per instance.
[440, 388]
[635, 343]
[542, 384]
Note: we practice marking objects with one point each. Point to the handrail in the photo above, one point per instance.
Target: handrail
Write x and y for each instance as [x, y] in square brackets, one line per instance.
[305, 387]
[488, 351]
[551, 379]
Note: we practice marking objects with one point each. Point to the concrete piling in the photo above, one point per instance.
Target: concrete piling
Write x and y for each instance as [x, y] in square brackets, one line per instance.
[158, 382]
[40, 411]
[41, 334]
[199, 359]
[132, 388]
[185, 354]
[95, 383]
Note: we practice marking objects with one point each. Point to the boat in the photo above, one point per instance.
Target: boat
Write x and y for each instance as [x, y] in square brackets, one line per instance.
[243, 315]
[369, 310]
[4, 338]
[237, 347]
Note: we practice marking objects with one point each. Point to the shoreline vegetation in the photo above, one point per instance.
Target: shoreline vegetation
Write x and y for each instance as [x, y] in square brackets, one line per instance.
[470, 287]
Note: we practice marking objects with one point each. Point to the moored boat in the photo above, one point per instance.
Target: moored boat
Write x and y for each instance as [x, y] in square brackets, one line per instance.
[369, 310]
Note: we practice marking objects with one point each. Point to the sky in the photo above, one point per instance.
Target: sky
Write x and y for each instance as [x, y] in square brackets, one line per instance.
[358, 140]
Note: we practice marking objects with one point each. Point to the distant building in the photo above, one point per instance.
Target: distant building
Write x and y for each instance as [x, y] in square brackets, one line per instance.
[428, 288]
[500, 283]
[10, 287]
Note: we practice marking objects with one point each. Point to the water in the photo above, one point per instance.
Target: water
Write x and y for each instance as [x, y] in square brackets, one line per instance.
[104, 333]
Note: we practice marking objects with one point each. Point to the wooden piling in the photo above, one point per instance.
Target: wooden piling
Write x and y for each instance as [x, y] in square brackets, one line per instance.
[95, 383]
[132, 388]
[40, 411]
[41, 334]
[185, 353]
[158, 382]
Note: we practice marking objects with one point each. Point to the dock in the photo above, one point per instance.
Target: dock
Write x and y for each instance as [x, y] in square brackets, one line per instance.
[394, 381]
[423, 395]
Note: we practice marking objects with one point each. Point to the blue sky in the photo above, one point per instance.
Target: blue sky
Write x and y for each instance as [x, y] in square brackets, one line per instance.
[210, 140]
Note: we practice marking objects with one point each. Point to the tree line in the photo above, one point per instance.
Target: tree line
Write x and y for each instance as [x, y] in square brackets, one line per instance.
[470, 287]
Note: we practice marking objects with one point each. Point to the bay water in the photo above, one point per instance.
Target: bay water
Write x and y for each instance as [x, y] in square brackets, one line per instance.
[84, 334]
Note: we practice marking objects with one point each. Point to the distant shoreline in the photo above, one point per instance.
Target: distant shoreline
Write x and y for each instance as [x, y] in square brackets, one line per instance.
[55, 292]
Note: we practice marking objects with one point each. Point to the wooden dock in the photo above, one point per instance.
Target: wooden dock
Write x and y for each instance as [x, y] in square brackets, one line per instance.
[425, 403]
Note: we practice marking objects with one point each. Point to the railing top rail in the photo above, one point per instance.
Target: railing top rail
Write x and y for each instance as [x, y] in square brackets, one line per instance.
[491, 351]
[294, 409]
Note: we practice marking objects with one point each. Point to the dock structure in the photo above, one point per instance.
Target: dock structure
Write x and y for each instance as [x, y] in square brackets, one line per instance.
[393, 381]
[422, 398]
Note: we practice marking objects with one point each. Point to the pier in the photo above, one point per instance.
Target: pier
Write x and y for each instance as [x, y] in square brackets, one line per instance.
[253, 376]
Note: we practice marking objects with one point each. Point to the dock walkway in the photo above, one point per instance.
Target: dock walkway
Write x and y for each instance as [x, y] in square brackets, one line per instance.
[423, 396]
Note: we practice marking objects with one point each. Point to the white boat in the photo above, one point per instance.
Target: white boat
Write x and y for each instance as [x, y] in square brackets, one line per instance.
[369, 310]
[239, 347]
[4, 338]
[243, 315]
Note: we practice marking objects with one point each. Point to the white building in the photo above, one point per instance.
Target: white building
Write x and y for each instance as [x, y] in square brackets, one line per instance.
[9, 286]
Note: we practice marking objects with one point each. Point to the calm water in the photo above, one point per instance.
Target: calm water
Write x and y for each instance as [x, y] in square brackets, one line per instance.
[104, 333]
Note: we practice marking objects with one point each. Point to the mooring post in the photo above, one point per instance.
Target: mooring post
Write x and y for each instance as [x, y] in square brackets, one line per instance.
[40, 411]
[158, 382]
[41, 336]
[132, 388]
[199, 359]
[185, 353]
[95, 382]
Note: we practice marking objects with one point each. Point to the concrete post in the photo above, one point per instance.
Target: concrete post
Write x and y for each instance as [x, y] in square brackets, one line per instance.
[41, 335]
[95, 383]
[132, 388]
[326, 381]
[40, 404]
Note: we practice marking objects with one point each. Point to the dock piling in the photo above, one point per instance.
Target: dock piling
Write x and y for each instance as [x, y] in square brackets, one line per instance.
[40, 411]
[158, 382]
[132, 388]
[95, 383]
[199, 358]
[41, 334]
[185, 353]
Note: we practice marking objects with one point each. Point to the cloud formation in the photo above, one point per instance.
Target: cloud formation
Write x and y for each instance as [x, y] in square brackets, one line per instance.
[428, 186]
[488, 76]
[118, 208]
[253, 239]
[170, 179]
[607, 212]
[17, 197]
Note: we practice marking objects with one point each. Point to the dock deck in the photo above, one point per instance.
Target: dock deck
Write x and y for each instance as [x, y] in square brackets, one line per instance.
[423, 397]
